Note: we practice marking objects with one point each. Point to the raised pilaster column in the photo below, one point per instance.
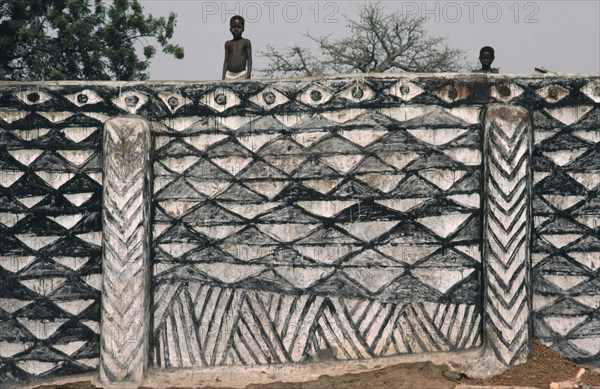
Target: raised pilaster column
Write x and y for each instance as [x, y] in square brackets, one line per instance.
[126, 271]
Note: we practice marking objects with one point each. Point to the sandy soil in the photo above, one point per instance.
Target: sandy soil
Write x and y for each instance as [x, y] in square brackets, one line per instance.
[545, 366]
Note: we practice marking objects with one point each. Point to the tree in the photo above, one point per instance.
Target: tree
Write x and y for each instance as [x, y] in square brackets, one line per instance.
[377, 42]
[77, 40]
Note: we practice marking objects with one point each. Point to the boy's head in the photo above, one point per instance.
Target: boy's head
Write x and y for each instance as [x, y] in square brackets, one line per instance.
[236, 25]
[486, 56]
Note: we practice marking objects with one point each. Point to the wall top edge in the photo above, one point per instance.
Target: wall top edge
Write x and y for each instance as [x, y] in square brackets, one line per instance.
[455, 76]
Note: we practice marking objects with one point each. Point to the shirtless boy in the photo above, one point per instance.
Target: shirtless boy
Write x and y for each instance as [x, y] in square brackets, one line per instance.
[238, 52]
[486, 57]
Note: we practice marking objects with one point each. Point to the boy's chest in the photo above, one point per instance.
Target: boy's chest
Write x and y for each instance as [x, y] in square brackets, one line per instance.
[238, 46]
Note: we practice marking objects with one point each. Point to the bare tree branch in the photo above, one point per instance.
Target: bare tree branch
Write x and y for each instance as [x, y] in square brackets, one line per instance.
[377, 42]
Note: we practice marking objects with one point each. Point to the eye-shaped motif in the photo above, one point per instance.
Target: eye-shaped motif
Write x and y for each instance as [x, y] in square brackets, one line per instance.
[220, 99]
[552, 93]
[315, 95]
[269, 98]
[84, 97]
[32, 97]
[173, 101]
[505, 91]
[405, 90]
[453, 92]
[130, 101]
[357, 93]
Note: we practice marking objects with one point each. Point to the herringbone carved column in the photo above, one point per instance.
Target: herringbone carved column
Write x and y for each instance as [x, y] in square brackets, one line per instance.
[506, 235]
[125, 263]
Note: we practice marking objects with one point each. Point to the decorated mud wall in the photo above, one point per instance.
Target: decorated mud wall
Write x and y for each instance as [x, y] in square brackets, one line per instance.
[187, 225]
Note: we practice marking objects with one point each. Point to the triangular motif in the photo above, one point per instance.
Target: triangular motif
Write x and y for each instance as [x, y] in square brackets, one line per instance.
[249, 211]
[589, 180]
[286, 163]
[370, 230]
[179, 165]
[561, 202]
[73, 263]
[76, 157]
[437, 137]
[402, 205]
[343, 163]
[177, 208]
[74, 307]
[77, 199]
[375, 278]
[25, 156]
[30, 202]
[407, 252]
[403, 114]
[67, 221]
[307, 139]
[569, 115]
[564, 157]
[343, 116]
[10, 219]
[398, 160]
[255, 142]
[269, 189]
[233, 164]
[443, 284]
[443, 179]
[590, 136]
[8, 178]
[15, 264]
[230, 272]
[325, 254]
[54, 179]
[322, 186]
[363, 137]
[43, 286]
[218, 232]
[56, 117]
[444, 225]
[464, 155]
[287, 232]
[561, 240]
[565, 282]
[36, 242]
[78, 134]
[468, 200]
[303, 277]
[382, 182]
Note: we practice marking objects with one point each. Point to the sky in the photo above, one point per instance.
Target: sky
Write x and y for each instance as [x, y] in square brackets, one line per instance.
[561, 36]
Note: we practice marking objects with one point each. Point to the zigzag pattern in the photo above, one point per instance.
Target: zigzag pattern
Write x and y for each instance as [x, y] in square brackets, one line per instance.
[125, 263]
[506, 238]
[199, 324]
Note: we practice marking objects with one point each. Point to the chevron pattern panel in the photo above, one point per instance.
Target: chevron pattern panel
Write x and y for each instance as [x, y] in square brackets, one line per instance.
[566, 209]
[126, 256]
[50, 234]
[507, 230]
[353, 233]
[203, 324]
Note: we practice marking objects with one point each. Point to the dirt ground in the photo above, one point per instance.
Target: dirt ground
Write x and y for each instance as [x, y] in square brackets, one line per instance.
[544, 366]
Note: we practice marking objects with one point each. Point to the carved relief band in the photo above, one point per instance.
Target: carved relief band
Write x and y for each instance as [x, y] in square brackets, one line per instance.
[507, 226]
[125, 264]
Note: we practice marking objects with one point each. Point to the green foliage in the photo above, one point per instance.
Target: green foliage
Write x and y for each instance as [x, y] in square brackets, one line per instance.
[376, 42]
[81, 40]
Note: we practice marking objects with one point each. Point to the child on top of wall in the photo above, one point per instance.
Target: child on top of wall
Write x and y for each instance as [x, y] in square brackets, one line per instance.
[486, 57]
[238, 52]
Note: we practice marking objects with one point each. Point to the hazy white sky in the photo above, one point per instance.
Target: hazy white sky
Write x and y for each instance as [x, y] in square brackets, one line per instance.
[562, 36]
